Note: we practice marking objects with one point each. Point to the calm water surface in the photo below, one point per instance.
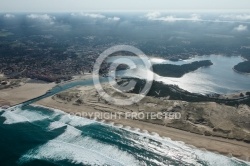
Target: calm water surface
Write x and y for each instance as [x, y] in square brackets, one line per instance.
[218, 78]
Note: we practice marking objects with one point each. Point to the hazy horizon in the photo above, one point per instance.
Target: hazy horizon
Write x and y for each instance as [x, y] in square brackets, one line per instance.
[121, 5]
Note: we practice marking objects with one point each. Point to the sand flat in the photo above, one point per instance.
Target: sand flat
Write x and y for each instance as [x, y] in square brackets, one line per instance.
[24, 92]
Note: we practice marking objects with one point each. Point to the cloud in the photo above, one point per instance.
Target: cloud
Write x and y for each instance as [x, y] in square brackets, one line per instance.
[9, 16]
[42, 17]
[241, 28]
[95, 16]
[153, 15]
[114, 18]
[240, 17]
[91, 15]
[156, 16]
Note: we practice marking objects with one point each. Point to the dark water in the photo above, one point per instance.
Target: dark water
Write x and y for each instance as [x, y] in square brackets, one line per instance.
[32, 135]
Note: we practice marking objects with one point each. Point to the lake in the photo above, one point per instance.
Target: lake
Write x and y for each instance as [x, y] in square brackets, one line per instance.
[218, 78]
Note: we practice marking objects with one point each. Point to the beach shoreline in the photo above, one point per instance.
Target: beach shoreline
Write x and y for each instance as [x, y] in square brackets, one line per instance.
[239, 149]
[227, 147]
[243, 73]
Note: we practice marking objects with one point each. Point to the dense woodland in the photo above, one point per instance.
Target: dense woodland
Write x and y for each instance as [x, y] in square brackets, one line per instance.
[243, 67]
[169, 70]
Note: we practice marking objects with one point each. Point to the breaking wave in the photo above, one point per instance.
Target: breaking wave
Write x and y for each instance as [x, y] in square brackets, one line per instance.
[88, 142]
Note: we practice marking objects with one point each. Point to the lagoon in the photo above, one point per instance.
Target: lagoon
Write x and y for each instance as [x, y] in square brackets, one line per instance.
[219, 78]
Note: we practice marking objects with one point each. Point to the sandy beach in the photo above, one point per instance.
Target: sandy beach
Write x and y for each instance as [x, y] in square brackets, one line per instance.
[30, 89]
[83, 99]
[27, 91]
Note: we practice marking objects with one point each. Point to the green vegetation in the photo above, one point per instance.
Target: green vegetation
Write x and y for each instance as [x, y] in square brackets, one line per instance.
[243, 67]
[169, 70]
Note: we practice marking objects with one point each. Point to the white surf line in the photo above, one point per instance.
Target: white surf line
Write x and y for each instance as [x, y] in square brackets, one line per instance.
[152, 135]
[71, 144]
[68, 136]
[155, 136]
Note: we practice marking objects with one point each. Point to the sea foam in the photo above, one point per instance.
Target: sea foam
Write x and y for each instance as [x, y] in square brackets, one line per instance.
[71, 145]
[74, 146]
[12, 118]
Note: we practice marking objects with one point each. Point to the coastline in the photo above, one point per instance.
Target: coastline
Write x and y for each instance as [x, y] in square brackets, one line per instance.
[219, 145]
[227, 147]
[247, 74]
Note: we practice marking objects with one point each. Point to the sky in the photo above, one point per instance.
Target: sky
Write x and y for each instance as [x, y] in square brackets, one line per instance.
[119, 5]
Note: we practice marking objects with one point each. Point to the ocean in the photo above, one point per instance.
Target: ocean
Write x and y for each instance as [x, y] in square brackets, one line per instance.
[36, 135]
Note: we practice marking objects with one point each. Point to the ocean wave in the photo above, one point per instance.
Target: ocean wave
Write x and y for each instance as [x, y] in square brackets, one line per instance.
[20, 115]
[67, 118]
[155, 144]
[75, 120]
[12, 118]
[48, 108]
[73, 147]
[55, 125]
[182, 152]
[78, 146]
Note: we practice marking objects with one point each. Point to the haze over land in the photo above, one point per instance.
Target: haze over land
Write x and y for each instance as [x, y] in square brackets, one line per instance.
[46, 42]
